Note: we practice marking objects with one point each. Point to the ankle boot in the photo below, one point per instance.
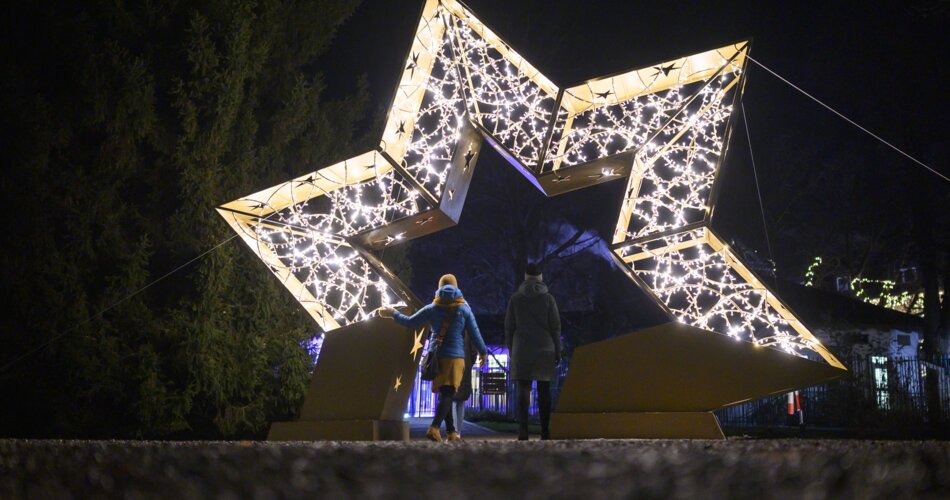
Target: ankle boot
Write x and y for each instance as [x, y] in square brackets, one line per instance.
[433, 434]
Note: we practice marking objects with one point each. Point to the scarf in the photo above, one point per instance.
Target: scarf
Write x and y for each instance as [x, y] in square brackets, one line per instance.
[452, 303]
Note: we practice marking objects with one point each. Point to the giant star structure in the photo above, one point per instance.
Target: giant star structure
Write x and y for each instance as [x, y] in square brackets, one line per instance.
[663, 127]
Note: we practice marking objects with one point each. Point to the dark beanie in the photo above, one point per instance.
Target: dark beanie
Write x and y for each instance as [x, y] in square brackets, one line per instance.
[533, 270]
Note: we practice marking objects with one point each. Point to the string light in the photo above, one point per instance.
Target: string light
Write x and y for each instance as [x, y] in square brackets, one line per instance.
[509, 103]
[875, 291]
[672, 118]
[881, 293]
[700, 286]
[810, 273]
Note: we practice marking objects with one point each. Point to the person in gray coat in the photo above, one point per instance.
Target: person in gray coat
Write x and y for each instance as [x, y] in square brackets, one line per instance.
[533, 337]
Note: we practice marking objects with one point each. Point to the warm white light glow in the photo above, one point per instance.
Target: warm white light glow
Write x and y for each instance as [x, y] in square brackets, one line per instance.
[704, 290]
[670, 120]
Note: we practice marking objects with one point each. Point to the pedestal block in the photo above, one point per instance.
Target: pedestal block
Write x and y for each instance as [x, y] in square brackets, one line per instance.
[360, 386]
[663, 382]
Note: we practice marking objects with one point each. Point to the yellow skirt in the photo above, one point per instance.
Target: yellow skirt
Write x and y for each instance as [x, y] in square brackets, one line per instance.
[450, 373]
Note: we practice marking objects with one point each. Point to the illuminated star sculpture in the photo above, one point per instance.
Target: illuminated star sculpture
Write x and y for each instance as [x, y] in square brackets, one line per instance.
[663, 127]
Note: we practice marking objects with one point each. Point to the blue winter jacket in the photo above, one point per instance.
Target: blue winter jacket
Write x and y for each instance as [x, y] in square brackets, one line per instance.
[453, 346]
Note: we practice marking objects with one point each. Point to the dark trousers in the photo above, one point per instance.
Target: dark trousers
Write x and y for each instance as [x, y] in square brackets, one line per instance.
[443, 411]
[544, 404]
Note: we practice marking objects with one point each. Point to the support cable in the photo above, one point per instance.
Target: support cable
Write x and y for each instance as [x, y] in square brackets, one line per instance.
[755, 175]
[107, 309]
[845, 118]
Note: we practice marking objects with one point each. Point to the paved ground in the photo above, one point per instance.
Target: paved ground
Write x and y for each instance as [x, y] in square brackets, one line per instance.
[419, 426]
[488, 469]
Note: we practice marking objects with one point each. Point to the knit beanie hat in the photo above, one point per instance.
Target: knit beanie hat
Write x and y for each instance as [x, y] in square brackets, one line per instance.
[448, 279]
[532, 271]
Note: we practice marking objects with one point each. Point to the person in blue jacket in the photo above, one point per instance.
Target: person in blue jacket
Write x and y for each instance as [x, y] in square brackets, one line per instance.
[448, 310]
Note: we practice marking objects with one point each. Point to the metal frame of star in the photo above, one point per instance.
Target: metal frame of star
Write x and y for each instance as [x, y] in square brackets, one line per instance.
[663, 127]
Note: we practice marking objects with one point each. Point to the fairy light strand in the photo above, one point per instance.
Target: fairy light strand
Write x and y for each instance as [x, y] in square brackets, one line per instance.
[674, 120]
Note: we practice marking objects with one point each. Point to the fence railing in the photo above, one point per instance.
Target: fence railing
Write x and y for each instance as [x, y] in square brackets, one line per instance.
[492, 389]
[879, 393]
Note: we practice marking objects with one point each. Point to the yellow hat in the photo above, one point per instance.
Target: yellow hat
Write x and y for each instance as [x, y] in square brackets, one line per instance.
[448, 279]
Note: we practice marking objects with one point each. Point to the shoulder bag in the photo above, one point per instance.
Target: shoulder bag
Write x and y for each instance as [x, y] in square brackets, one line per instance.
[430, 362]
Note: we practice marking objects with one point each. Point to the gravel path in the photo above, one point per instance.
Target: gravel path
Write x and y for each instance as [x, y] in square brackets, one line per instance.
[475, 469]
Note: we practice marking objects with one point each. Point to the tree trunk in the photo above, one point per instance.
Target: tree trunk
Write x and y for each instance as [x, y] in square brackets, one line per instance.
[923, 234]
[944, 328]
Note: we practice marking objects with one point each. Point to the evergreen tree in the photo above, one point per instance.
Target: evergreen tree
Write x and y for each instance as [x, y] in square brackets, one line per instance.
[130, 122]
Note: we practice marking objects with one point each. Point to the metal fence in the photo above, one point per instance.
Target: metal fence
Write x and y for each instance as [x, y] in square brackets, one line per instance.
[492, 389]
[880, 393]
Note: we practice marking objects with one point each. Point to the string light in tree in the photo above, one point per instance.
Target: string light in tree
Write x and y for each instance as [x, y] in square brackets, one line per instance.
[881, 293]
[810, 273]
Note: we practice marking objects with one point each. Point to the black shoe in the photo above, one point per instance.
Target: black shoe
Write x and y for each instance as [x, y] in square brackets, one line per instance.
[545, 435]
[523, 433]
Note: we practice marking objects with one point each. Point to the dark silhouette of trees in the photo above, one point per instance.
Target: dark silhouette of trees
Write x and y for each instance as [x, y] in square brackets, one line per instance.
[129, 122]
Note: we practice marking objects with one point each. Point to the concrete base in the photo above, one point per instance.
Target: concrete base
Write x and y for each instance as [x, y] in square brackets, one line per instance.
[663, 382]
[359, 388]
[645, 425]
[339, 430]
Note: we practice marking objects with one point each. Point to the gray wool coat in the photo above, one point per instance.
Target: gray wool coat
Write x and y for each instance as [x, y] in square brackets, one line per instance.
[533, 332]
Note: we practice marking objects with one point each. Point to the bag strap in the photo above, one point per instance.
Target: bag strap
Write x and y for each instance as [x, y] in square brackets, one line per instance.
[445, 326]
